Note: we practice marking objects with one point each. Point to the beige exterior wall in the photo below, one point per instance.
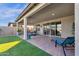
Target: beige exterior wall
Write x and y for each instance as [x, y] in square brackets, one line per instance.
[66, 23]
[11, 25]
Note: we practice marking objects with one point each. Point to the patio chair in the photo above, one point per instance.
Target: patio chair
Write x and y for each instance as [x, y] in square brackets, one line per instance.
[64, 42]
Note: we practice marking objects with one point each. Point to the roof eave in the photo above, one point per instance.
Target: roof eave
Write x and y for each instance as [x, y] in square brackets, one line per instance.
[24, 11]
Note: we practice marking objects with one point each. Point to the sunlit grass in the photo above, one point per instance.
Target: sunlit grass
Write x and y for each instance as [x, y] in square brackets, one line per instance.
[22, 49]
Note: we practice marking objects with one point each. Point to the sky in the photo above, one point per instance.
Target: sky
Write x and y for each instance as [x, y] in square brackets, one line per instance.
[10, 11]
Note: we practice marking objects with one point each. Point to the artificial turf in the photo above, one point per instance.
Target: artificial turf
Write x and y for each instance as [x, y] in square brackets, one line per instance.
[22, 49]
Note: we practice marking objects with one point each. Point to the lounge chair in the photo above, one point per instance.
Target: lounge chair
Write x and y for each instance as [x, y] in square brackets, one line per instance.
[64, 42]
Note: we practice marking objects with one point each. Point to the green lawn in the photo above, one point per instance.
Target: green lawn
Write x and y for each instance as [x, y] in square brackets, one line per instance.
[22, 49]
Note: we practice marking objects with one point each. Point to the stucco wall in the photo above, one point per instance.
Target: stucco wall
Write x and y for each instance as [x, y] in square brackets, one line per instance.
[7, 31]
[67, 25]
[66, 22]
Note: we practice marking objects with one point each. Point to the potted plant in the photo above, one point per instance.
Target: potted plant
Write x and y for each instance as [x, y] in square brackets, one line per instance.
[20, 32]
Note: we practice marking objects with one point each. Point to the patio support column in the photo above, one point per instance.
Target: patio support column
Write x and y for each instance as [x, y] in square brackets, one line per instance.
[50, 30]
[17, 26]
[25, 28]
[41, 29]
[77, 29]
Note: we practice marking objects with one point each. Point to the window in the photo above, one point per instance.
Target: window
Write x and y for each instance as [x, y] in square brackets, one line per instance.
[37, 27]
[46, 29]
[53, 28]
[58, 33]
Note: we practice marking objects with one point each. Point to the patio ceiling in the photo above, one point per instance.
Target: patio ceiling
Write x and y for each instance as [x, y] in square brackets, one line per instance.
[52, 11]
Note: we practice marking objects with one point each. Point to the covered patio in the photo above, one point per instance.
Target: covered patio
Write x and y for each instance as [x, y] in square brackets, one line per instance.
[48, 21]
[45, 43]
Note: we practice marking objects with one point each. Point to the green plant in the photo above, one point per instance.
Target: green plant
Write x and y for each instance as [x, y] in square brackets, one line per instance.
[20, 31]
[73, 28]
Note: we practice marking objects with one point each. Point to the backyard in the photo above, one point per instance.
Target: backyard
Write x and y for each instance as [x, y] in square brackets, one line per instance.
[23, 48]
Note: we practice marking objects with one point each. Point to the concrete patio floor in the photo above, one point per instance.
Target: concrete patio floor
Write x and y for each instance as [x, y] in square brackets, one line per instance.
[45, 43]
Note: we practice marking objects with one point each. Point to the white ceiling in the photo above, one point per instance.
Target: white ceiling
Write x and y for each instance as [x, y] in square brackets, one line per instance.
[59, 9]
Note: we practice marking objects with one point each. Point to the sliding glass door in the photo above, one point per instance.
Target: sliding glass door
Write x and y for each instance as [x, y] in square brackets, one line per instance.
[53, 28]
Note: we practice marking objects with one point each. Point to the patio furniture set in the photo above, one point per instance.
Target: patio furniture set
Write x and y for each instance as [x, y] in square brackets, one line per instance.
[67, 42]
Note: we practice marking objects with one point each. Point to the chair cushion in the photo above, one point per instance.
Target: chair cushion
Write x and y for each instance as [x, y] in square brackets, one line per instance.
[69, 41]
[58, 40]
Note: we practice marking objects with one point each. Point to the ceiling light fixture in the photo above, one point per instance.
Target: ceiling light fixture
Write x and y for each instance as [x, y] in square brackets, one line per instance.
[53, 14]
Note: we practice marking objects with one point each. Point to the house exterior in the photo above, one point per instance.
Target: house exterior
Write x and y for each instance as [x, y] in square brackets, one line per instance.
[50, 19]
[11, 24]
